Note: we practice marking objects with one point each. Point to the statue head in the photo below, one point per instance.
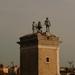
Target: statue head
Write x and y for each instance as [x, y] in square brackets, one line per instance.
[33, 22]
[47, 18]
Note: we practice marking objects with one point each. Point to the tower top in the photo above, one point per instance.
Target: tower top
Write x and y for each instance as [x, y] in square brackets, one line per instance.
[46, 36]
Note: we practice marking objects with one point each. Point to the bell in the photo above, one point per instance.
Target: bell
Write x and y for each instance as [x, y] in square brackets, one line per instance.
[39, 25]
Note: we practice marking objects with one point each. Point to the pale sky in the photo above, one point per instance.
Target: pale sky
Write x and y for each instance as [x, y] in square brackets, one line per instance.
[16, 17]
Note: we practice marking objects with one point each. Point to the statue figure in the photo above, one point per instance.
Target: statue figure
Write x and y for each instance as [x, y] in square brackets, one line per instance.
[33, 26]
[48, 24]
[39, 27]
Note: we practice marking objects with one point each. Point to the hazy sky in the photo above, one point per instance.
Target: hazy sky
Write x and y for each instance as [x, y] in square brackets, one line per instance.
[16, 17]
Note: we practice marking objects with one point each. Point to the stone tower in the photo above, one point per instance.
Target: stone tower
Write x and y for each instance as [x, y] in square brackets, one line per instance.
[39, 54]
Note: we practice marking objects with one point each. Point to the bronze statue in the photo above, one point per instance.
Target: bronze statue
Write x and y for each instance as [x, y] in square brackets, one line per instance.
[48, 24]
[37, 27]
[33, 27]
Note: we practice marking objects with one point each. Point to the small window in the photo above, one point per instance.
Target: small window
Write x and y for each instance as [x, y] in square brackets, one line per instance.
[47, 37]
[47, 59]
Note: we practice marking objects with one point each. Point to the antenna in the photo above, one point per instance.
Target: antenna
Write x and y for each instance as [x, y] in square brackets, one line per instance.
[70, 62]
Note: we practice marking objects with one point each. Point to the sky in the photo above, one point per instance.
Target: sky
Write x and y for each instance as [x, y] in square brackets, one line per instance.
[16, 17]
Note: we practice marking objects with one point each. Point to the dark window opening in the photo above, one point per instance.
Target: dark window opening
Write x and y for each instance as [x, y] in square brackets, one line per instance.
[47, 37]
[47, 59]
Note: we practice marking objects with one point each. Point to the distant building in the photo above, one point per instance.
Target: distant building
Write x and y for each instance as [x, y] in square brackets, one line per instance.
[67, 71]
[9, 70]
[5, 70]
[1, 69]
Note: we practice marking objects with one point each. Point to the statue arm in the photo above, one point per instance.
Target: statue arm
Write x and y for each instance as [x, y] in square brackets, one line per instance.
[49, 23]
[45, 22]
